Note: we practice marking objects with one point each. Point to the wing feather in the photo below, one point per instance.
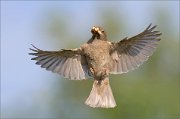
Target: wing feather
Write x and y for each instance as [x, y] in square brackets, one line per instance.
[69, 63]
[129, 54]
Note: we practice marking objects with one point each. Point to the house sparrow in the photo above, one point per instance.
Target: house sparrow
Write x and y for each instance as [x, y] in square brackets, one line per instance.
[98, 58]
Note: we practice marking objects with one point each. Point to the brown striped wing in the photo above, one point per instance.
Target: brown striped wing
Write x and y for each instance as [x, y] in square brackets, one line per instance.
[128, 54]
[69, 63]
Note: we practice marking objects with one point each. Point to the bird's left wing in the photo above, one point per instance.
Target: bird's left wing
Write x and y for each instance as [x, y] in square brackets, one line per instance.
[128, 54]
[69, 63]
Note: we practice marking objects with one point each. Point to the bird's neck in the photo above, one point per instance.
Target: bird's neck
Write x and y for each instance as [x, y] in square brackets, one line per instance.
[96, 38]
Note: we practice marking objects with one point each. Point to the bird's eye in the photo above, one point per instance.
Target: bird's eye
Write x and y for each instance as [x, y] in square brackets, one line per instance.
[102, 31]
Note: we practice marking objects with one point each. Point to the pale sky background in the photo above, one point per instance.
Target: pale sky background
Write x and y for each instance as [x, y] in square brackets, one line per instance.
[21, 79]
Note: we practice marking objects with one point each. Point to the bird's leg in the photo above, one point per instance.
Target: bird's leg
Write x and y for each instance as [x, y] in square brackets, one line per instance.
[105, 73]
[92, 70]
[101, 76]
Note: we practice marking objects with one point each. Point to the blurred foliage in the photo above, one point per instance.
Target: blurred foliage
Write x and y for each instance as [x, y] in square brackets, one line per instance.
[150, 92]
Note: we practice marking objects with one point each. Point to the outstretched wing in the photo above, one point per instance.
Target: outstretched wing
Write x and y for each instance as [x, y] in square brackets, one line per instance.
[69, 63]
[128, 54]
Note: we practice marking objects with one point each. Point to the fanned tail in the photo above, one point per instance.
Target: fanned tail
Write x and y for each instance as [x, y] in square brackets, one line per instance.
[101, 95]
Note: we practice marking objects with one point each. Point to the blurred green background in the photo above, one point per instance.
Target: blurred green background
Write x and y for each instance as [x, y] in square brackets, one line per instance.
[150, 92]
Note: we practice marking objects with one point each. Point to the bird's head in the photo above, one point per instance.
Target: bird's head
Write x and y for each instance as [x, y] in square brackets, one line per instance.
[98, 33]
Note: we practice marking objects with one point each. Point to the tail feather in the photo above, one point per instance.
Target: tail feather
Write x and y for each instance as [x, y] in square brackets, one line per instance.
[101, 95]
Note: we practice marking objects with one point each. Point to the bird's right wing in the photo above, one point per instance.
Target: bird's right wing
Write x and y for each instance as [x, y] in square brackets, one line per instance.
[69, 63]
[130, 53]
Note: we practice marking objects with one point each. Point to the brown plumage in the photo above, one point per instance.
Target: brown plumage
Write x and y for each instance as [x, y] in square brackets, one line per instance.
[98, 58]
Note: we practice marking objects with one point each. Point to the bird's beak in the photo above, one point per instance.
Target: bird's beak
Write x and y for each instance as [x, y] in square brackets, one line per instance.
[95, 30]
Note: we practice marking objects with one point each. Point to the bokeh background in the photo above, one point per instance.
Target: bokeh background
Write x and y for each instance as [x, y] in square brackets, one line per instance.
[150, 92]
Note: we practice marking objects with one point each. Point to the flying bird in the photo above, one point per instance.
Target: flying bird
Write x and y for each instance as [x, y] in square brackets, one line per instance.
[98, 58]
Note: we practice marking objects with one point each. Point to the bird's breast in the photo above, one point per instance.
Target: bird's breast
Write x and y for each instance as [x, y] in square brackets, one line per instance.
[97, 54]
